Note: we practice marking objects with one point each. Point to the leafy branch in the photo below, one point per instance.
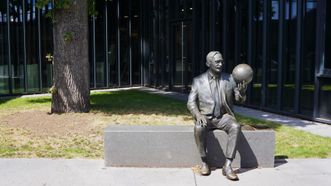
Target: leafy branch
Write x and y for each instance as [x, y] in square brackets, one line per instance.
[65, 4]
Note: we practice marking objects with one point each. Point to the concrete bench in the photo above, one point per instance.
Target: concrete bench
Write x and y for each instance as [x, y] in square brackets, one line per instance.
[174, 146]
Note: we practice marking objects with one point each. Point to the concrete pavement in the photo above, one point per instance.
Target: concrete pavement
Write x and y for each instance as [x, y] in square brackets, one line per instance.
[78, 172]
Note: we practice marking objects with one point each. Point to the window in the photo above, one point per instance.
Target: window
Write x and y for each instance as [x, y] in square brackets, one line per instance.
[327, 62]
[31, 16]
[100, 44]
[4, 76]
[273, 51]
[17, 46]
[46, 33]
[290, 55]
[308, 58]
[258, 45]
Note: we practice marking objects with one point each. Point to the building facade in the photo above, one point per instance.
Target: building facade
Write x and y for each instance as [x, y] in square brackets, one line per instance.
[163, 44]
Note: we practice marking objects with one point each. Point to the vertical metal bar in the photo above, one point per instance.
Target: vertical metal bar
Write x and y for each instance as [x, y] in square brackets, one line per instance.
[106, 44]
[320, 48]
[212, 25]
[94, 54]
[265, 51]
[203, 28]
[153, 38]
[142, 50]
[195, 38]
[9, 51]
[24, 48]
[298, 57]
[169, 47]
[237, 31]
[130, 43]
[162, 42]
[118, 45]
[39, 48]
[163, 48]
[225, 32]
[250, 46]
[146, 42]
[156, 43]
[182, 42]
[172, 49]
[281, 54]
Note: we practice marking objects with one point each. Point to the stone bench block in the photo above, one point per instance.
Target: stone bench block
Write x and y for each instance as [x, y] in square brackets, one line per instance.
[174, 146]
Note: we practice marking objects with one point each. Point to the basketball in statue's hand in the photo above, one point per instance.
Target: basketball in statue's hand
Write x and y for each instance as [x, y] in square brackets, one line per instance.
[242, 73]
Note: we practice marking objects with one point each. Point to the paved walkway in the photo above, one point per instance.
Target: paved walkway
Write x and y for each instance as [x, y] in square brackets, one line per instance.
[77, 172]
[305, 125]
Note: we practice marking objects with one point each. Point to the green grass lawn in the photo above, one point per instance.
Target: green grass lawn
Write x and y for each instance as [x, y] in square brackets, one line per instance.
[129, 107]
[294, 143]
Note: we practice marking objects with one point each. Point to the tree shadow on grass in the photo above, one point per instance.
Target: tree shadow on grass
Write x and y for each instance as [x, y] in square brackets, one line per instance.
[41, 100]
[123, 102]
[136, 102]
[5, 100]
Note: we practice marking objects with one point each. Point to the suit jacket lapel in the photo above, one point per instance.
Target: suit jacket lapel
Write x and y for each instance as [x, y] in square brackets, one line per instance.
[206, 83]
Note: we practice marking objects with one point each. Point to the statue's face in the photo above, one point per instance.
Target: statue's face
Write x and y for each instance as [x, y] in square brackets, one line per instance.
[216, 64]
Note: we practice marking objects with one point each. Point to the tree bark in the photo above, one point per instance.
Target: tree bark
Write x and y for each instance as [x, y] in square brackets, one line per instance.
[71, 79]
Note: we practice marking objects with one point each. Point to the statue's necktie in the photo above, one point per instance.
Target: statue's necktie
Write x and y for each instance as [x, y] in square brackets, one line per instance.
[217, 108]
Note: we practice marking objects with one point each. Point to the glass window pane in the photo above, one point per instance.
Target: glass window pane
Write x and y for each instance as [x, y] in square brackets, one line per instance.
[112, 44]
[244, 32]
[164, 40]
[178, 50]
[308, 58]
[17, 46]
[325, 99]
[135, 40]
[100, 43]
[327, 62]
[219, 26]
[4, 76]
[124, 42]
[230, 62]
[178, 9]
[258, 28]
[46, 46]
[273, 50]
[91, 50]
[32, 46]
[187, 54]
[290, 53]
[188, 8]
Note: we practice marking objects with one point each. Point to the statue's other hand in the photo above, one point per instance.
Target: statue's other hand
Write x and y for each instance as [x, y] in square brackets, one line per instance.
[201, 120]
[242, 87]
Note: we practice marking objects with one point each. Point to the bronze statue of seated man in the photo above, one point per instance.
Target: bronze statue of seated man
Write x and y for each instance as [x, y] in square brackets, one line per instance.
[210, 102]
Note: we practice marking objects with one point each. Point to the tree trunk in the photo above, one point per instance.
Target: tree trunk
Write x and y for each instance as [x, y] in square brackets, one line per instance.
[71, 77]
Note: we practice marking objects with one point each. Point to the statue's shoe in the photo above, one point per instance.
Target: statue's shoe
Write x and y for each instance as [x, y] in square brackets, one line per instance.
[229, 173]
[204, 170]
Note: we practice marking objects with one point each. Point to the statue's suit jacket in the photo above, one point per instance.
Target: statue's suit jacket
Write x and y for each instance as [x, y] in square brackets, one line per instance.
[200, 99]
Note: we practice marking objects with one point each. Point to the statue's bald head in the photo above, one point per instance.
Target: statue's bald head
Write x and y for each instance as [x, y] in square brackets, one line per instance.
[210, 57]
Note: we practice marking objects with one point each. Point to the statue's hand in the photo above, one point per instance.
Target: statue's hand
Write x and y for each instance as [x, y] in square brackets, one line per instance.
[242, 87]
[201, 120]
